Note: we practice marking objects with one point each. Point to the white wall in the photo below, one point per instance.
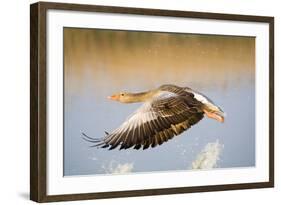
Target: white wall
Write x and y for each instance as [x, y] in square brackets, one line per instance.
[14, 109]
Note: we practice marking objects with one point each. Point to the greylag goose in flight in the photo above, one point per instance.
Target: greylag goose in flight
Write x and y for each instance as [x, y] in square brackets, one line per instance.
[166, 112]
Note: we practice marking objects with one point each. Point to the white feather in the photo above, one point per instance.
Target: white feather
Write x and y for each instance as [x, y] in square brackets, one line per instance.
[140, 116]
[200, 98]
[164, 94]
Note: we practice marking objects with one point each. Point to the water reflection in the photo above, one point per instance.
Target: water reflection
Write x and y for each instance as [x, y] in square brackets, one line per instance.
[98, 63]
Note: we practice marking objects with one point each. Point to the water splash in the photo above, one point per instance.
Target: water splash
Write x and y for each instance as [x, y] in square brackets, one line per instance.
[209, 156]
[118, 168]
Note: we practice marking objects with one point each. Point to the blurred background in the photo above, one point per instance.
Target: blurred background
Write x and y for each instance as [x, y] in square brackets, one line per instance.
[98, 63]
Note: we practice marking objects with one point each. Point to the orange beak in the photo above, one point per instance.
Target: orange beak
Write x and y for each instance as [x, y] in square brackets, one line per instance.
[113, 97]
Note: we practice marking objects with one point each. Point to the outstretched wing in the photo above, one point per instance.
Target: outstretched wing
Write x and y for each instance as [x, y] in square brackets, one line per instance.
[153, 123]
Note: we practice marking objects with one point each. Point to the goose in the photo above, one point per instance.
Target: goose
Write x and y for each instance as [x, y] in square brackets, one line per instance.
[166, 112]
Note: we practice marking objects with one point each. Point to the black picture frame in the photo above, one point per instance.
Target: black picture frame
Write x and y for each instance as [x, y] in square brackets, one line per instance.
[38, 100]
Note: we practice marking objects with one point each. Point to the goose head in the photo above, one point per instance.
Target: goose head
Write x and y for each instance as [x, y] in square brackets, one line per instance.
[125, 97]
[122, 97]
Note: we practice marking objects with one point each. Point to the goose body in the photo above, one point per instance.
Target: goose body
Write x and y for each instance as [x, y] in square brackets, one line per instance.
[166, 112]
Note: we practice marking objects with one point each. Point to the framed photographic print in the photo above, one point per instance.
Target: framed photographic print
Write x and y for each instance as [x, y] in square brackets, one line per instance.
[134, 102]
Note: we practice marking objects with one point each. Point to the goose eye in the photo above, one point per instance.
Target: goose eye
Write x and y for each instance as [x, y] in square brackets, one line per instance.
[122, 94]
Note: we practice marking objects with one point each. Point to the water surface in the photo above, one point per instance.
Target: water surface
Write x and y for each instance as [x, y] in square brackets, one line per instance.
[98, 63]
